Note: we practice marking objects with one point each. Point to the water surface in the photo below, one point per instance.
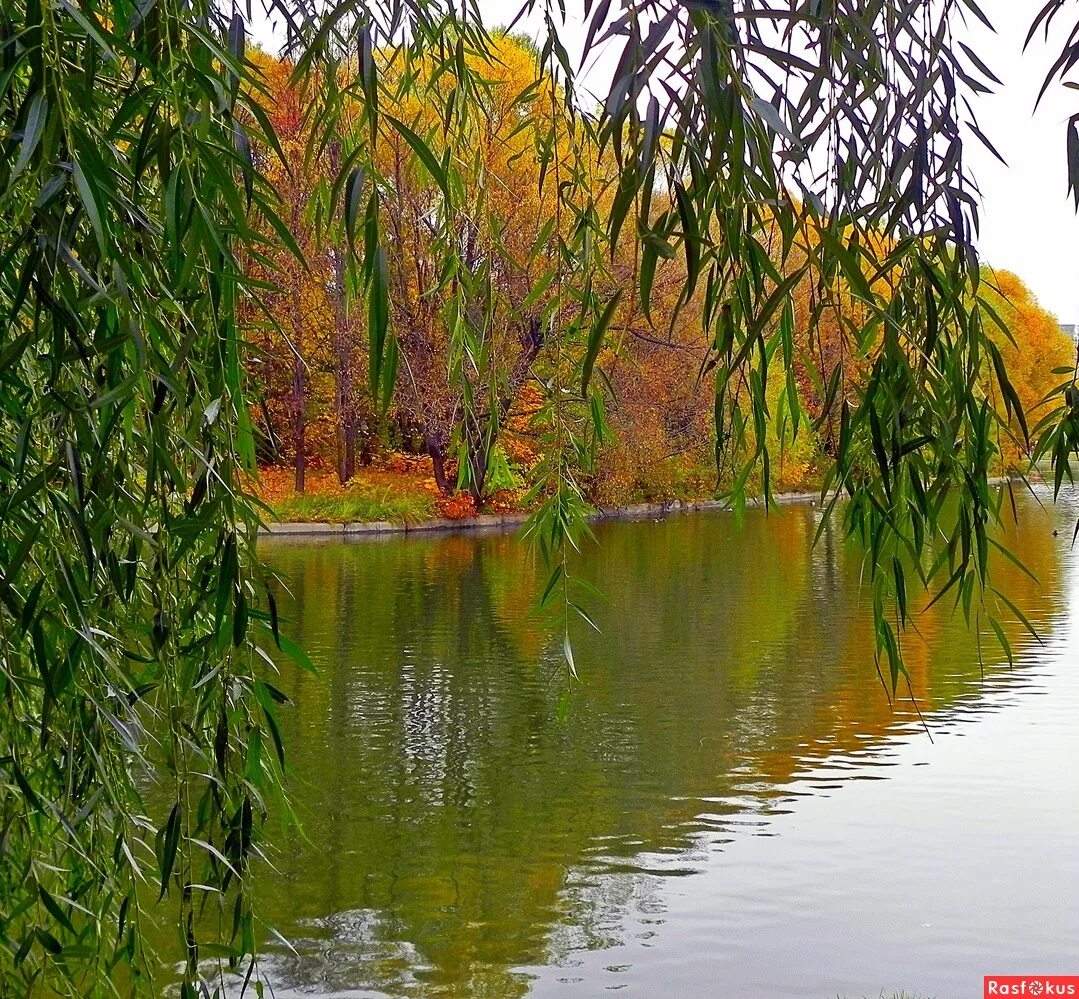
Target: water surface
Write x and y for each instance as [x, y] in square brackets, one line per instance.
[728, 806]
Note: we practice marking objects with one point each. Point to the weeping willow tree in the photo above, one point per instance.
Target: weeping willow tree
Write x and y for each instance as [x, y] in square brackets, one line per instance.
[766, 143]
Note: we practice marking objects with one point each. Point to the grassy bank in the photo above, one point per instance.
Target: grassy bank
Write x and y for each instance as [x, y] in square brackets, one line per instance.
[358, 506]
[400, 489]
[397, 495]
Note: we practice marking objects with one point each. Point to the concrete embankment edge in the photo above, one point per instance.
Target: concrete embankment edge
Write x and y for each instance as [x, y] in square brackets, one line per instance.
[504, 521]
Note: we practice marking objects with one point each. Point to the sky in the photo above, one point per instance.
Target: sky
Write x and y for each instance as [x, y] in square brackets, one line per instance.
[1029, 226]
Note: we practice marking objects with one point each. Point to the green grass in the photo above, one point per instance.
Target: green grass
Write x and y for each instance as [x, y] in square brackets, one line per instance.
[382, 504]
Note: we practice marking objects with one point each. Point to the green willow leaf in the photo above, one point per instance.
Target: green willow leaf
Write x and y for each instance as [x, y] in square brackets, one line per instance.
[94, 207]
[595, 339]
[35, 125]
[423, 151]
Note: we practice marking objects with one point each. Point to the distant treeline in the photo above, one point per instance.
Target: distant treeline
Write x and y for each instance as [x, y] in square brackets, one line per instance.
[473, 349]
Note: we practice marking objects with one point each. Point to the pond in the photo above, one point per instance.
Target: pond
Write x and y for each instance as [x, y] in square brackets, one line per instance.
[727, 805]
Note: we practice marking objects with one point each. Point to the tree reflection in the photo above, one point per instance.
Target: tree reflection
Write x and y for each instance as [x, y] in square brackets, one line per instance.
[456, 832]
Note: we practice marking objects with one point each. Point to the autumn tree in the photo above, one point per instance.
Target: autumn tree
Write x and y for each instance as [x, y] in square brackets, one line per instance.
[290, 327]
[476, 288]
[1038, 355]
[307, 332]
[355, 426]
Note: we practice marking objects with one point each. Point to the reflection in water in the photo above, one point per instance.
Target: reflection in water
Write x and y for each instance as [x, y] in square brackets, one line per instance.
[728, 763]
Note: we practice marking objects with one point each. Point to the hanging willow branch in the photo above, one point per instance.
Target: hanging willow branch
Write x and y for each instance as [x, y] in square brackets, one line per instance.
[775, 145]
[139, 749]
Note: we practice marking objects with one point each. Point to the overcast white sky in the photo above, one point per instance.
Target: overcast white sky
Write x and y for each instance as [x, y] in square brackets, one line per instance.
[1028, 224]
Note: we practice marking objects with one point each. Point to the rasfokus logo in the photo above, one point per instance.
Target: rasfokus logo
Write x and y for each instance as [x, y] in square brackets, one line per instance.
[1031, 985]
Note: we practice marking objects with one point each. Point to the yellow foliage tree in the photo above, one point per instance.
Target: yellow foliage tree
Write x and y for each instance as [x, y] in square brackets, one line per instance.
[476, 289]
[1032, 348]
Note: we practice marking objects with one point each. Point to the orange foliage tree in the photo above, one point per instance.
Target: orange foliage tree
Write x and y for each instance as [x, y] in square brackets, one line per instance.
[475, 283]
[469, 203]
[465, 207]
[1035, 349]
[307, 341]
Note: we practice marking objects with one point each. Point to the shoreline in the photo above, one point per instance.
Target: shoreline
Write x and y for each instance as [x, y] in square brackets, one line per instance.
[493, 522]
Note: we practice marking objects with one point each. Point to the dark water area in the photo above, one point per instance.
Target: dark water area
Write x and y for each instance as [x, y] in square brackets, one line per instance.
[730, 805]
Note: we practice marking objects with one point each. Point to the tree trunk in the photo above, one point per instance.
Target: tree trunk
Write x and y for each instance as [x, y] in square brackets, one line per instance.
[271, 434]
[479, 453]
[299, 422]
[348, 458]
[438, 462]
[346, 417]
[366, 451]
[482, 432]
[479, 476]
[342, 357]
